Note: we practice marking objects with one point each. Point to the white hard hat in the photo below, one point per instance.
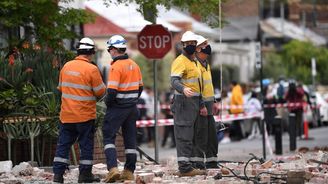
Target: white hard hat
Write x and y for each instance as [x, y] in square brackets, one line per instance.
[200, 39]
[116, 41]
[188, 36]
[86, 44]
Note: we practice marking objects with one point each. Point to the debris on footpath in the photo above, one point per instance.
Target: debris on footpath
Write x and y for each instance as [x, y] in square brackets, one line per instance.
[303, 167]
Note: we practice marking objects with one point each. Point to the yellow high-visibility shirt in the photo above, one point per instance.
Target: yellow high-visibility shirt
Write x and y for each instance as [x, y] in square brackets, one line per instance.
[208, 90]
[189, 71]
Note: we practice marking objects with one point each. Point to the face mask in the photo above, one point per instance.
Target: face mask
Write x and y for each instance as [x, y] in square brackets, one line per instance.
[190, 49]
[207, 50]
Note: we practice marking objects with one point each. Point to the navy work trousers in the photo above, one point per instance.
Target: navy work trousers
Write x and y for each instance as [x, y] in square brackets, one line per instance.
[114, 119]
[68, 133]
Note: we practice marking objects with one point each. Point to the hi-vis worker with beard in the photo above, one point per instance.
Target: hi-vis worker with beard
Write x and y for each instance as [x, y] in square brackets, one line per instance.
[81, 84]
[124, 87]
[187, 103]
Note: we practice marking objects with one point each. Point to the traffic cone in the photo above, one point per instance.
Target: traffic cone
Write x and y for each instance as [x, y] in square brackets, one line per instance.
[306, 130]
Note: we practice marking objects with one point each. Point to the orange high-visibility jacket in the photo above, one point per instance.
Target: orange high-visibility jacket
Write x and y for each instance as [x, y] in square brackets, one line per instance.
[80, 83]
[237, 100]
[124, 83]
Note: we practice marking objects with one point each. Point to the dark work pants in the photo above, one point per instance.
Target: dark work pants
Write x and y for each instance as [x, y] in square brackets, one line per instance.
[114, 119]
[212, 147]
[205, 141]
[186, 113]
[68, 134]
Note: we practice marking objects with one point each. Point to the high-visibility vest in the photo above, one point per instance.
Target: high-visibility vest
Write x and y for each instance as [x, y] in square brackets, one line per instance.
[80, 83]
[125, 77]
[189, 72]
[237, 100]
[207, 89]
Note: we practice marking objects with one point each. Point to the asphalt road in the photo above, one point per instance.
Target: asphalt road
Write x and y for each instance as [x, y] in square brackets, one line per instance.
[239, 150]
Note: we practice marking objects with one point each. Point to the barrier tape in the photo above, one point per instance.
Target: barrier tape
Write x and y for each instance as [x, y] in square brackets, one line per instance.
[225, 118]
[227, 107]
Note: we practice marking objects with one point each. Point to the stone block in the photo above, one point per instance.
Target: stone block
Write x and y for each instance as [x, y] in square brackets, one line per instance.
[23, 169]
[6, 166]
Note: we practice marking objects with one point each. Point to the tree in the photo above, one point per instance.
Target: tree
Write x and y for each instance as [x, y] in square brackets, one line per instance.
[296, 56]
[208, 10]
[44, 21]
[273, 66]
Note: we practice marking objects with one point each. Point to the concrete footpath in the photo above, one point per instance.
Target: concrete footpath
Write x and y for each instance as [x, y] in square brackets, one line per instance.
[239, 150]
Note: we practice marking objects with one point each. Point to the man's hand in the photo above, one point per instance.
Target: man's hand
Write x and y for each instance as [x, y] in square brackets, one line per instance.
[188, 92]
[203, 111]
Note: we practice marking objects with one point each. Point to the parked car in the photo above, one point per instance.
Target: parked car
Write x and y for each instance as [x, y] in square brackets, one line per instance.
[315, 116]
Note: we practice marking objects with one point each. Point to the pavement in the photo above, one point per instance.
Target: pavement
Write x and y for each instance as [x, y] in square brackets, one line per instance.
[239, 150]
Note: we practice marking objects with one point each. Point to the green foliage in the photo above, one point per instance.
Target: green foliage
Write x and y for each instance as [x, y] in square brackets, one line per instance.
[163, 68]
[273, 66]
[43, 20]
[207, 10]
[32, 79]
[297, 56]
[8, 101]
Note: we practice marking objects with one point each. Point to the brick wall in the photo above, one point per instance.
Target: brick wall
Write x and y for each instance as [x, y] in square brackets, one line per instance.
[240, 8]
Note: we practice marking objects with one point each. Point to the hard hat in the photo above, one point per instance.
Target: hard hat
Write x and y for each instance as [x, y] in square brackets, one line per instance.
[188, 36]
[86, 46]
[116, 41]
[86, 43]
[200, 39]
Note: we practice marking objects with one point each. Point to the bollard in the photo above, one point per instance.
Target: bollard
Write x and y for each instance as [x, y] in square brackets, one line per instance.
[278, 129]
[292, 132]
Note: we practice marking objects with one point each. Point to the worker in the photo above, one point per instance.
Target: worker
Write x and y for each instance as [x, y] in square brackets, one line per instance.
[187, 106]
[124, 87]
[205, 140]
[80, 84]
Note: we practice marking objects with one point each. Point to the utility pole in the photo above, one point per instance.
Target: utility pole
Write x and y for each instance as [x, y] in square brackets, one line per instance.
[259, 65]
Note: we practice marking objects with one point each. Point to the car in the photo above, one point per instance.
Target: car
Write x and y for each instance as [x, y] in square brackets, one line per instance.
[319, 111]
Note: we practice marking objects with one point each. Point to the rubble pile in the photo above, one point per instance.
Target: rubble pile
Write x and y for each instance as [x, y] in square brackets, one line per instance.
[303, 167]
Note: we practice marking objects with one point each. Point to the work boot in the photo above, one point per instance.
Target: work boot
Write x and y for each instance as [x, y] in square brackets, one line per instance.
[113, 175]
[193, 172]
[127, 175]
[87, 177]
[58, 178]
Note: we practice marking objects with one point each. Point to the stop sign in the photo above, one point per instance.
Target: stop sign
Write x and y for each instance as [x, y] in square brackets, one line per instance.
[154, 41]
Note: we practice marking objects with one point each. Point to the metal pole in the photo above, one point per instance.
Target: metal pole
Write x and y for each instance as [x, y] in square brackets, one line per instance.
[155, 108]
[278, 134]
[292, 132]
[261, 83]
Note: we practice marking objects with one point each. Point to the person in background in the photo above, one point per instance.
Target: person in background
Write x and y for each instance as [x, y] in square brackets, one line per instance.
[124, 87]
[254, 106]
[295, 94]
[236, 103]
[169, 129]
[81, 84]
[187, 105]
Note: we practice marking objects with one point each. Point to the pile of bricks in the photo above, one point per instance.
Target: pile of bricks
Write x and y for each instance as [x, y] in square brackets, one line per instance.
[309, 167]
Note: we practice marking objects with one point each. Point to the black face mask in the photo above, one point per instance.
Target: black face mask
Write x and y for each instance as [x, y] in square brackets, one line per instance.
[207, 50]
[190, 49]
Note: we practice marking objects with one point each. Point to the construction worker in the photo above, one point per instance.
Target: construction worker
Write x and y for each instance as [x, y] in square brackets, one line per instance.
[205, 140]
[124, 87]
[81, 84]
[187, 106]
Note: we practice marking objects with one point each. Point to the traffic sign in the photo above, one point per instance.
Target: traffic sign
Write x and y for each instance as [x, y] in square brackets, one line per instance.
[258, 56]
[154, 41]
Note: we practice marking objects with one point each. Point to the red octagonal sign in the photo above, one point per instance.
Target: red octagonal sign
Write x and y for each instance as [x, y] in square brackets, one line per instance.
[154, 41]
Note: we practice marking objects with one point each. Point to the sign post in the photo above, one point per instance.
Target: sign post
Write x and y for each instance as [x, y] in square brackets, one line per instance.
[154, 42]
[258, 65]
